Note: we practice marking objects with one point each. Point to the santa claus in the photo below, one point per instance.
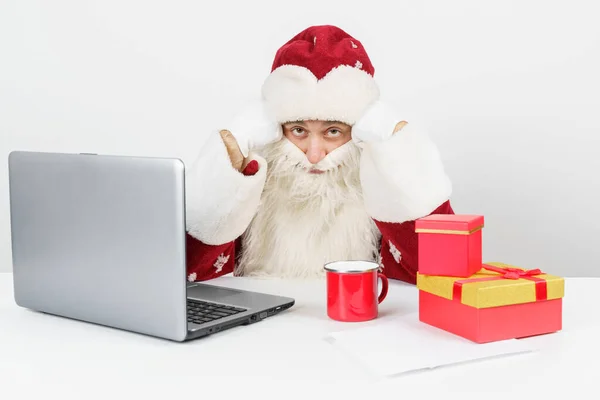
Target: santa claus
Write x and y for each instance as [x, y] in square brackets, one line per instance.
[318, 170]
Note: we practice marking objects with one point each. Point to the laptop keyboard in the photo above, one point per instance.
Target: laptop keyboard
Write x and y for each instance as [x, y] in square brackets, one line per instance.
[201, 312]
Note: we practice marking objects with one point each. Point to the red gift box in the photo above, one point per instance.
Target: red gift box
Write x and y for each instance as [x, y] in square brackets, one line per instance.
[498, 303]
[449, 245]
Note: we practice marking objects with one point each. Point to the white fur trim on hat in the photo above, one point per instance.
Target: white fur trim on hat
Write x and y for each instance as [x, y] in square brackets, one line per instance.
[293, 93]
[220, 200]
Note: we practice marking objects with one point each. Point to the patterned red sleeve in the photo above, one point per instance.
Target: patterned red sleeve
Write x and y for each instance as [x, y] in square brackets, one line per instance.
[205, 262]
[399, 247]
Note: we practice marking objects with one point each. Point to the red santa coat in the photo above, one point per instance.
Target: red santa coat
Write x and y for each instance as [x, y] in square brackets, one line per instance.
[402, 179]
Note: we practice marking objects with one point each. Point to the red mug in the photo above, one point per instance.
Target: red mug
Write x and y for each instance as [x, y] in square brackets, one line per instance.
[352, 292]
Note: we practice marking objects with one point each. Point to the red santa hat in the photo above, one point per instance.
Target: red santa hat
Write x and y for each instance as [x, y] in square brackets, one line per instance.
[321, 73]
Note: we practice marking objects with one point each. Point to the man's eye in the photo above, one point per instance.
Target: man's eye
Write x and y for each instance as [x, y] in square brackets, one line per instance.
[334, 133]
[297, 131]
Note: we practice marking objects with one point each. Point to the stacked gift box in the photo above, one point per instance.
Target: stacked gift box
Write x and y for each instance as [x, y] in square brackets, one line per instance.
[482, 302]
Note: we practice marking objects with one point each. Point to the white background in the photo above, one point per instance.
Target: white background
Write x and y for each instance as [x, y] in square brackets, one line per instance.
[509, 90]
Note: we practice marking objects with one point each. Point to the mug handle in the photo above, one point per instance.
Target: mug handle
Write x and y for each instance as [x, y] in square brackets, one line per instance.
[384, 287]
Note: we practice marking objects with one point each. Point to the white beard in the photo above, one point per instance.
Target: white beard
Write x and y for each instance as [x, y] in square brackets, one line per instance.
[306, 220]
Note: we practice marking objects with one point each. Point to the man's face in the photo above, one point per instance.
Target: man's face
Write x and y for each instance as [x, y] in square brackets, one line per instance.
[317, 138]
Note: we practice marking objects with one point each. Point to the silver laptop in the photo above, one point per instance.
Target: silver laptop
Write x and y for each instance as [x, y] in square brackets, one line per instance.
[102, 239]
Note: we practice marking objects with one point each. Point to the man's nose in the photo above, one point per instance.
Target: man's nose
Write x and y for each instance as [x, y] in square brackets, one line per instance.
[316, 150]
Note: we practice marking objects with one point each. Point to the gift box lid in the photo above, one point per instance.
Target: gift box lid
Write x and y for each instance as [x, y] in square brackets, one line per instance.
[496, 284]
[449, 223]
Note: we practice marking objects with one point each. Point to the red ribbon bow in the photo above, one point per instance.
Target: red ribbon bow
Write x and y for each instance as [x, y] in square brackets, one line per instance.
[512, 273]
[541, 287]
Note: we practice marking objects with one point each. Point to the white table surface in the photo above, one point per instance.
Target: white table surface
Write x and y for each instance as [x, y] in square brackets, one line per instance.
[42, 354]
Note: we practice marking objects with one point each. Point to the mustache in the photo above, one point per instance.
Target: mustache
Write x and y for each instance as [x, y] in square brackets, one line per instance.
[331, 161]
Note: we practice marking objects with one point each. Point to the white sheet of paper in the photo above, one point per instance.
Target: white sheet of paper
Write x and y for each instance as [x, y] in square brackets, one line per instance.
[404, 344]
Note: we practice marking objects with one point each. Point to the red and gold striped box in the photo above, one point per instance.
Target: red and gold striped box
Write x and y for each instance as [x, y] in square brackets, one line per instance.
[449, 245]
[499, 302]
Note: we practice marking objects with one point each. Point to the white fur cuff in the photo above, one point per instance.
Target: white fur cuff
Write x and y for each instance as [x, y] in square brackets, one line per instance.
[376, 124]
[220, 201]
[254, 128]
[403, 178]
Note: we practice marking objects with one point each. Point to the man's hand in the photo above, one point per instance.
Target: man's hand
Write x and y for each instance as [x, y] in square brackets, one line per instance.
[235, 155]
[378, 123]
[254, 128]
